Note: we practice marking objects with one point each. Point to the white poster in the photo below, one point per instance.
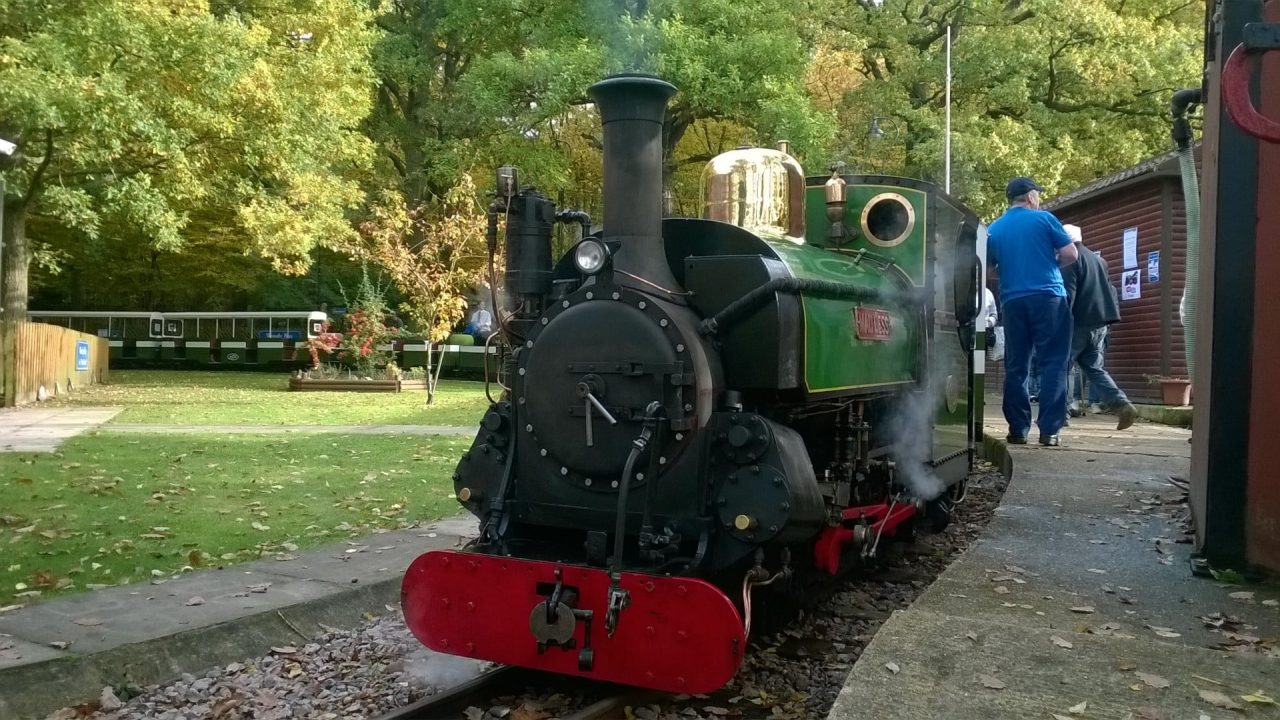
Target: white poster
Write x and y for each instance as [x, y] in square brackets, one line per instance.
[1130, 248]
[1131, 285]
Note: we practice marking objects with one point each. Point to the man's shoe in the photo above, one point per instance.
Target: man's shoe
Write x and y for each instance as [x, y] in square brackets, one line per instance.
[1034, 398]
[1016, 439]
[1128, 413]
[1074, 410]
[1049, 440]
[1095, 409]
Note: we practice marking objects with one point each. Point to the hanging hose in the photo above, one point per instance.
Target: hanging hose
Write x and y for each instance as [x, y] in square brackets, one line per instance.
[618, 599]
[1187, 308]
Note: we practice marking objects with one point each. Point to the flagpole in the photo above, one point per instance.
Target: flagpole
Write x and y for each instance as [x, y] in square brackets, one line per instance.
[947, 181]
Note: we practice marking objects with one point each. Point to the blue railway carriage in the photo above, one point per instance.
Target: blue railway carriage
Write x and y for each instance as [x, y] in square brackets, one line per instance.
[235, 340]
[273, 340]
[458, 356]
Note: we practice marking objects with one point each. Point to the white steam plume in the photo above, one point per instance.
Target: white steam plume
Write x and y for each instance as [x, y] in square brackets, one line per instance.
[431, 669]
[911, 428]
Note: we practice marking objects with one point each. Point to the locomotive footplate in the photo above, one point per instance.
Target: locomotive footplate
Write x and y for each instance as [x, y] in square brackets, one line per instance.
[680, 635]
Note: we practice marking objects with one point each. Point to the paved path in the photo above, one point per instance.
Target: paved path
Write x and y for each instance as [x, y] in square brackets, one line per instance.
[64, 651]
[1077, 585]
[37, 429]
[290, 429]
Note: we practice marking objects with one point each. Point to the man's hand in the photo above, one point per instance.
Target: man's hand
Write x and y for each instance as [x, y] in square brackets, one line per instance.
[1067, 255]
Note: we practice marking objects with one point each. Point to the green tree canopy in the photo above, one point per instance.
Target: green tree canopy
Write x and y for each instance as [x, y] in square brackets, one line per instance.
[153, 122]
[1065, 92]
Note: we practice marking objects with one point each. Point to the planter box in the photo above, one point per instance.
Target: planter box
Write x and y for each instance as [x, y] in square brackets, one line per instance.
[1175, 391]
[355, 385]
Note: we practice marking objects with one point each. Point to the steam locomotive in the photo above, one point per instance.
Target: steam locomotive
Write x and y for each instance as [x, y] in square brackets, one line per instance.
[702, 410]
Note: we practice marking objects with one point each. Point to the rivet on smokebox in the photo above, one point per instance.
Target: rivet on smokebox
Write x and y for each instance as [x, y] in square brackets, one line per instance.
[464, 494]
[744, 522]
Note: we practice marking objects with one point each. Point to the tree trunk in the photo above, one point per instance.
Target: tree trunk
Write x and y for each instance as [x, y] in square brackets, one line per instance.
[17, 258]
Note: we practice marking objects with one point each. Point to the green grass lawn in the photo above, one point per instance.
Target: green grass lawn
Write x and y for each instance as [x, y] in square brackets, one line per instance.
[111, 508]
[183, 397]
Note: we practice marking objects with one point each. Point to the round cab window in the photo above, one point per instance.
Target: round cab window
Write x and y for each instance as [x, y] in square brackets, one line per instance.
[888, 219]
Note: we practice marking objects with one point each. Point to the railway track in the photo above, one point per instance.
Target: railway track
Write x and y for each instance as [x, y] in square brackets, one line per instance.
[451, 703]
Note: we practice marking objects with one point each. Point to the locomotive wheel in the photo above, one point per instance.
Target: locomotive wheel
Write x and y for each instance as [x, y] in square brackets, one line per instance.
[937, 513]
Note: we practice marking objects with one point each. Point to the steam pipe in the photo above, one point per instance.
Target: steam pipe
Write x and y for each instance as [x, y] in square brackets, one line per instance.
[1181, 133]
[632, 111]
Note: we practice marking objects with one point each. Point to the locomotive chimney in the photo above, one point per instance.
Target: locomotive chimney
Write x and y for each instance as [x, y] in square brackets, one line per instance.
[632, 110]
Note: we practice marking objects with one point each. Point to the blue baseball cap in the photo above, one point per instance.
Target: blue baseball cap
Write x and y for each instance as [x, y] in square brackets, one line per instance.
[1020, 186]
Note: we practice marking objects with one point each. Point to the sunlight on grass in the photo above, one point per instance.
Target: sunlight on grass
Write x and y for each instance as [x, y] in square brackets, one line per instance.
[225, 398]
[111, 508]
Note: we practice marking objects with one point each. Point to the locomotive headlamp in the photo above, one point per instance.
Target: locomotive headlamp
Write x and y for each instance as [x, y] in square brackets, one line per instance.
[591, 256]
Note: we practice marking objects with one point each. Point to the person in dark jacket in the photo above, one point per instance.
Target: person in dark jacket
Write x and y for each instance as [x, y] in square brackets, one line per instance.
[1093, 308]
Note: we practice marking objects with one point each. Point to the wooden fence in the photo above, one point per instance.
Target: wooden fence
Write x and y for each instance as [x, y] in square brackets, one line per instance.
[48, 356]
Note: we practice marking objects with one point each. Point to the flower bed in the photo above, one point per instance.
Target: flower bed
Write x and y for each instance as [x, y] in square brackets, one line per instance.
[307, 384]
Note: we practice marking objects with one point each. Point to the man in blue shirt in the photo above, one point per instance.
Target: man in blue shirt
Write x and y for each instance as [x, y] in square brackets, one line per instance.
[1027, 246]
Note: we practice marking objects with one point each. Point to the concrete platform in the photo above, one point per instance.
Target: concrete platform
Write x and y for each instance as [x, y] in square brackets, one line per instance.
[44, 429]
[1079, 592]
[64, 651]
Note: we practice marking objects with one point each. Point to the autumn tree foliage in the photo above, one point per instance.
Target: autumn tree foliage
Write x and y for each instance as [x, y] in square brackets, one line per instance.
[162, 123]
[434, 252]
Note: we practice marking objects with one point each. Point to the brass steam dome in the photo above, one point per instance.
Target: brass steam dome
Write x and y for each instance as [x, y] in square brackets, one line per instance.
[758, 189]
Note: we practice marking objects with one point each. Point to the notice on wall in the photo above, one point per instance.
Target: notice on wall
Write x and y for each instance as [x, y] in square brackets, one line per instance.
[1131, 285]
[1130, 248]
[1153, 266]
[82, 355]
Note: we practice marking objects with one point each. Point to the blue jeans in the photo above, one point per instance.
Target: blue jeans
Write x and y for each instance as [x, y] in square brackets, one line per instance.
[1086, 355]
[1042, 323]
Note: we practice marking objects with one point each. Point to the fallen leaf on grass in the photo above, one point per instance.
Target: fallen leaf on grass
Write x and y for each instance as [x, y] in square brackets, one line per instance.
[59, 644]
[259, 588]
[1209, 680]
[1164, 632]
[197, 600]
[1257, 697]
[1243, 595]
[1149, 713]
[1078, 708]
[992, 683]
[1066, 644]
[892, 667]
[1154, 681]
[284, 650]
[1000, 590]
[972, 636]
[1085, 609]
[1214, 697]
[259, 526]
